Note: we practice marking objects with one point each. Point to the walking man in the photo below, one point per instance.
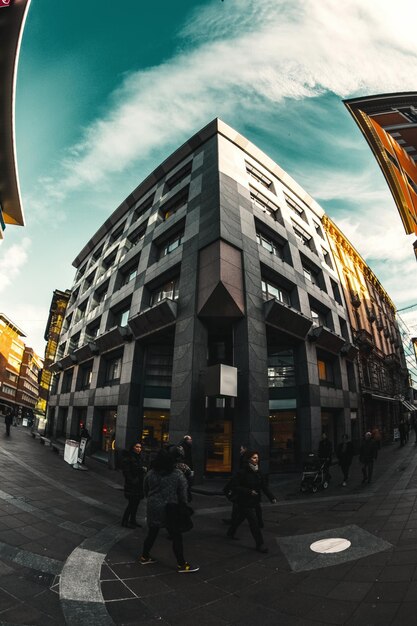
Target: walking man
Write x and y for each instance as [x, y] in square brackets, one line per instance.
[345, 456]
[367, 456]
[8, 420]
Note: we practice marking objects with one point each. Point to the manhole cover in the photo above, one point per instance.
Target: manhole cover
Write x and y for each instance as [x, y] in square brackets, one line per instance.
[330, 546]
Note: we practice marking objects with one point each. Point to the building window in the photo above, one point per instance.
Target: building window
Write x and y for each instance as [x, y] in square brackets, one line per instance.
[122, 317]
[92, 331]
[269, 291]
[117, 232]
[80, 313]
[281, 371]
[97, 253]
[318, 229]
[84, 376]
[136, 237]
[326, 372]
[171, 244]
[302, 236]
[173, 205]
[178, 177]
[54, 383]
[327, 258]
[129, 272]
[167, 291]
[319, 319]
[113, 368]
[264, 204]
[258, 176]
[336, 291]
[11, 376]
[270, 245]
[9, 391]
[295, 207]
[158, 370]
[81, 271]
[109, 260]
[143, 208]
[67, 381]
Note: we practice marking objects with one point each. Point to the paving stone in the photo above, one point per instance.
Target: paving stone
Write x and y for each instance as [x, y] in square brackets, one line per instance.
[115, 590]
[374, 614]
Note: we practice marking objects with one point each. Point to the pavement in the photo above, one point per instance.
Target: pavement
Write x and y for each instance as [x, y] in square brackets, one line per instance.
[65, 559]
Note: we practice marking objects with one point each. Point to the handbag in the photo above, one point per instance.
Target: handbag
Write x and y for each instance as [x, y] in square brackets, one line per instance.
[178, 515]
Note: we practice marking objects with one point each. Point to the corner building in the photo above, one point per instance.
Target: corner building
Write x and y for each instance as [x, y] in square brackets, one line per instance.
[208, 303]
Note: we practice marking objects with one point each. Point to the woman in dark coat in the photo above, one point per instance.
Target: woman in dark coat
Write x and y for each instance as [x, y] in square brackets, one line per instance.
[134, 473]
[164, 485]
[248, 484]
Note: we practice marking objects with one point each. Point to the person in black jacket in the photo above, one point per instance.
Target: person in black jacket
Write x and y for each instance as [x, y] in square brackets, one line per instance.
[248, 484]
[9, 421]
[134, 473]
[367, 455]
[345, 455]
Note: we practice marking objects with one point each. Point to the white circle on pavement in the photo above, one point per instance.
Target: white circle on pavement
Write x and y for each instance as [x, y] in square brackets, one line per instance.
[330, 546]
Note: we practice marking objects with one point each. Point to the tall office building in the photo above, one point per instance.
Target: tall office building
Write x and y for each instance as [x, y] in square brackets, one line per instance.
[208, 303]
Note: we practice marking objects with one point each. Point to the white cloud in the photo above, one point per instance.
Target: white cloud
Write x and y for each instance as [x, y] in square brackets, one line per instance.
[249, 54]
[12, 260]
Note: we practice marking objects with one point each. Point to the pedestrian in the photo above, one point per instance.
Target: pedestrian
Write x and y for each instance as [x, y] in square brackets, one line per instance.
[324, 453]
[8, 418]
[228, 489]
[134, 473]
[248, 485]
[402, 429]
[165, 485]
[186, 444]
[345, 455]
[367, 455]
[84, 434]
[177, 453]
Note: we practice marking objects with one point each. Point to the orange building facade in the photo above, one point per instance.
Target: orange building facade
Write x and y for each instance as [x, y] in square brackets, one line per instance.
[383, 375]
[19, 369]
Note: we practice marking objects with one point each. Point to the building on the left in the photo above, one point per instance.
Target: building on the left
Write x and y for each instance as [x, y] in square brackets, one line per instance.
[19, 372]
[12, 21]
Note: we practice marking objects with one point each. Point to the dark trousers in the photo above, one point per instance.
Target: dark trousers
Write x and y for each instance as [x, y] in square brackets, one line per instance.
[252, 515]
[130, 512]
[367, 469]
[8, 430]
[345, 470]
[177, 544]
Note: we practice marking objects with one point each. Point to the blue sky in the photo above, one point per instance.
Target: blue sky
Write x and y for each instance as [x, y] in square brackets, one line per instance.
[107, 90]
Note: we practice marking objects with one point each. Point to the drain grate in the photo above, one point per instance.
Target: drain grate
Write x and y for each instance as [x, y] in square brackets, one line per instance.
[347, 506]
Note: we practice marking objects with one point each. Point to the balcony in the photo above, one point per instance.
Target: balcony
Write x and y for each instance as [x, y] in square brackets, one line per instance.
[153, 319]
[379, 323]
[325, 338]
[349, 351]
[355, 299]
[86, 351]
[364, 340]
[287, 319]
[392, 361]
[113, 338]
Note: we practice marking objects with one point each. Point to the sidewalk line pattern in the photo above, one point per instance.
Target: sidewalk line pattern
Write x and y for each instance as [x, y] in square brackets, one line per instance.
[30, 559]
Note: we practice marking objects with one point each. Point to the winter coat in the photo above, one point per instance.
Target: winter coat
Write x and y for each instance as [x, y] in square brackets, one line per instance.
[8, 419]
[246, 481]
[133, 473]
[160, 489]
[345, 452]
[368, 451]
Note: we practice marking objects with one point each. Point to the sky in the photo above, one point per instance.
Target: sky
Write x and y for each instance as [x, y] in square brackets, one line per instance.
[106, 91]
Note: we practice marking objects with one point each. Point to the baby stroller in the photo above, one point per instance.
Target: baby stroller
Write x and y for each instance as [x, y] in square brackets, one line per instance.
[314, 474]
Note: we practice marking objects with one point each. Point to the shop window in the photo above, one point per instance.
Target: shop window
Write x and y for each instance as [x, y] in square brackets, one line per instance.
[61, 424]
[155, 429]
[281, 370]
[282, 440]
[175, 203]
[271, 290]
[158, 365]
[167, 290]
[178, 177]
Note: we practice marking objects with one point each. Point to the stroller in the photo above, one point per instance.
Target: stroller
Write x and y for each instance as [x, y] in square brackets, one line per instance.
[314, 474]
